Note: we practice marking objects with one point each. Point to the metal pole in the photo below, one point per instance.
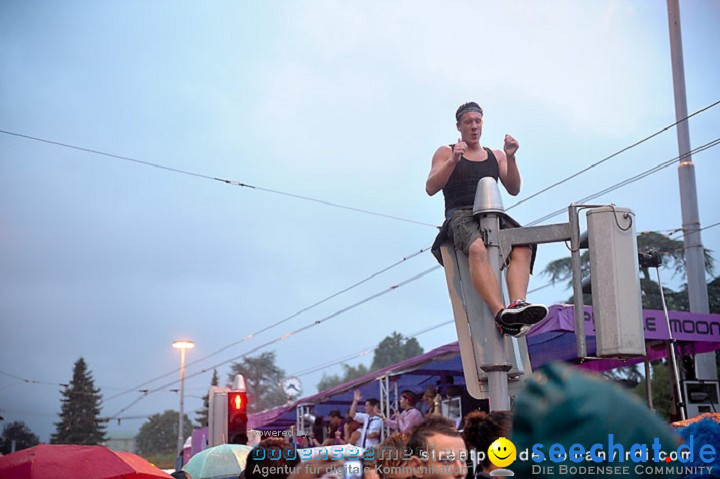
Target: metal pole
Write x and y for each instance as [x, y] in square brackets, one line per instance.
[497, 367]
[673, 360]
[694, 251]
[677, 392]
[182, 401]
[575, 264]
[648, 384]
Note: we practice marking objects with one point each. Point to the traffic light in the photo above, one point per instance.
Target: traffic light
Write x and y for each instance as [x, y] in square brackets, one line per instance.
[237, 417]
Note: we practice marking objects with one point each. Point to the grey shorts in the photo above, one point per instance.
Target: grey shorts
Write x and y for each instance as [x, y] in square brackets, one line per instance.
[463, 228]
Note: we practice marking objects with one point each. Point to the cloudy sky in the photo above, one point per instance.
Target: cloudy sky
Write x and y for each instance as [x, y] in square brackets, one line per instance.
[112, 259]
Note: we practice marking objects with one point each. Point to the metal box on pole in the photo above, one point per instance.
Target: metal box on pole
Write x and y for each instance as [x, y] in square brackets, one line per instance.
[617, 307]
[217, 416]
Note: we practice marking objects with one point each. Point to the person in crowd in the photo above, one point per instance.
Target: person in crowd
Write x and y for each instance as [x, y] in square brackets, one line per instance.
[181, 475]
[370, 419]
[335, 429]
[431, 401]
[317, 434]
[438, 450]
[480, 430]
[410, 416]
[563, 405]
[353, 430]
[456, 170]
[392, 457]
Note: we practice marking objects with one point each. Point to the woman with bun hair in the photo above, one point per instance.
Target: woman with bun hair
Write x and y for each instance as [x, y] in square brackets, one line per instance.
[480, 431]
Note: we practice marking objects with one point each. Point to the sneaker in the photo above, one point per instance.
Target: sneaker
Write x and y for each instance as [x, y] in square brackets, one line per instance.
[520, 313]
[514, 331]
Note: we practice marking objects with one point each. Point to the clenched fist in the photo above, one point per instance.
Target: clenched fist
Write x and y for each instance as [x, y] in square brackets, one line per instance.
[458, 150]
[511, 145]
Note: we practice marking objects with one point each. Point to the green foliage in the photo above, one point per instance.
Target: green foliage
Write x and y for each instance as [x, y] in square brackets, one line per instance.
[158, 435]
[393, 349]
[262, 379]
[628, 376]
[17, 431]
[203, 414]
[663, 401]
[714, 295]
[672, 251]
[673, 259]
[162, 461]
[80, 421]
[350, 373]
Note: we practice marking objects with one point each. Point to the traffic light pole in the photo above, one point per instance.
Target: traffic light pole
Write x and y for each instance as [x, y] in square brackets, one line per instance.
[497, 366]
[494, 364]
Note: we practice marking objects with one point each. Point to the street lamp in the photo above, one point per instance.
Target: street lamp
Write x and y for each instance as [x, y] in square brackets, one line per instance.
[182, 345]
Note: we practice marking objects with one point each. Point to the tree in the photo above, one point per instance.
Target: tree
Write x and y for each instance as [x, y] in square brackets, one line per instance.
[663, 401]
[17, 431]
[80, 421]
[262, 380]
[158, 435]
[628, 376]
[393, 349]
[673, 259]
[350, 373]
[203, 415]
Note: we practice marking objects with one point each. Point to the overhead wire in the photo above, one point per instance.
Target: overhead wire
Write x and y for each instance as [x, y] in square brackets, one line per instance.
[366, 351]
[214, 178]
[288, 335]
[277, 323]
[336, 205]
[681, 230]
[597, 163]
[630, 180]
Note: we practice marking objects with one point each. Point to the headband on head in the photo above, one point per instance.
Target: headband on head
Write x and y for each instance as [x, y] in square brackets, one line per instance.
[467, 108]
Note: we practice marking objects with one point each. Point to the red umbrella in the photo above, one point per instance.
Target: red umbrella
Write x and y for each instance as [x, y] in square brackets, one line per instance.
[73, 462]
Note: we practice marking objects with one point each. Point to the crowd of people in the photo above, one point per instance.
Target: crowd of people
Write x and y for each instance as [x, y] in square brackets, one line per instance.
[559, 405]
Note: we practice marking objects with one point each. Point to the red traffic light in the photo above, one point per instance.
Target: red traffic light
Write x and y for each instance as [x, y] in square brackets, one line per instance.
[236, 401]
[237, 417]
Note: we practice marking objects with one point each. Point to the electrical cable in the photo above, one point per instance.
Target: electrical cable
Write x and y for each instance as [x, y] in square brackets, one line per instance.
[564, 180]
[284, 320]
[287, 335]
[213, 178]
[366, 351]
[336, 205]
[633, 179]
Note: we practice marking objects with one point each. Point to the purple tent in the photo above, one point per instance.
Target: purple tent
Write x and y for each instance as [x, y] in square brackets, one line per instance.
[553, 340]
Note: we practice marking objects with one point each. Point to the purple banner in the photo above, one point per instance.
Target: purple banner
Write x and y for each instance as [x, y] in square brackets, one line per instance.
[685, 326]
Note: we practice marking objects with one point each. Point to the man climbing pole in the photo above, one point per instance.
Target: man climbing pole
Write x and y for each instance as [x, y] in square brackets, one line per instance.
[456, 170]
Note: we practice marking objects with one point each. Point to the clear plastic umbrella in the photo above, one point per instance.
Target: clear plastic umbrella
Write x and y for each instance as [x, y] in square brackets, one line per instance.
[219, 462]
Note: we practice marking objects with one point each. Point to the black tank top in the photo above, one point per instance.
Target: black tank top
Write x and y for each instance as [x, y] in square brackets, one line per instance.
[459, 191]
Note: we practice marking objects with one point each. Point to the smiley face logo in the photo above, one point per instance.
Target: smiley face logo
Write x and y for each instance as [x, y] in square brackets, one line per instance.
[502, 452]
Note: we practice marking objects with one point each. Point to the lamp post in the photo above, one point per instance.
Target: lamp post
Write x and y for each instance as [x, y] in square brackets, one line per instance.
[182, 345]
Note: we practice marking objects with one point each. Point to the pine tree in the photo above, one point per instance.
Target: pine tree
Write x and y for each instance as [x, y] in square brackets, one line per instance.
[203, 415]
[18, 432]
[80, 409]
[262, 379]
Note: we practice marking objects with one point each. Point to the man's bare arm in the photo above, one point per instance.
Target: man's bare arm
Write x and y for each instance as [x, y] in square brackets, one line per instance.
[443, 164]
[509, 173]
